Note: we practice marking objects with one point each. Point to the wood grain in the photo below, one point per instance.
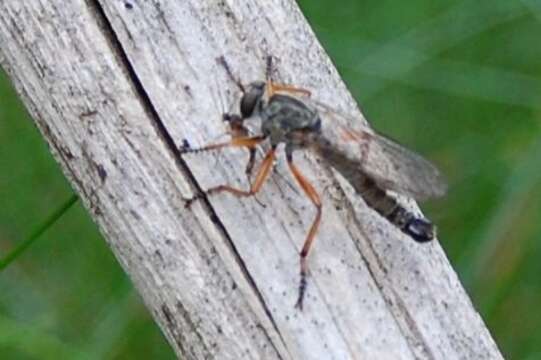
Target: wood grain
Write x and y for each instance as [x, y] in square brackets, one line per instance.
[116, 86]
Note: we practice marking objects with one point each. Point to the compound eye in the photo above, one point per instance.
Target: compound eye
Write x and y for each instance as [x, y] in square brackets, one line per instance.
[247, 104]
[251, 98]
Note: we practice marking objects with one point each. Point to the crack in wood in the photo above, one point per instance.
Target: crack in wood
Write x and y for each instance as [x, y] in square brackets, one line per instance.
[163, 133]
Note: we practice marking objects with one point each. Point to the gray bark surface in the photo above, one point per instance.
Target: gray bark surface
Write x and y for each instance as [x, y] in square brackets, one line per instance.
[115, 87]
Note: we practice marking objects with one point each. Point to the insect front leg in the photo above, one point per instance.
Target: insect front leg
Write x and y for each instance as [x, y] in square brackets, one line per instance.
[241, 141]
[261, 176]
[273, 87]
[236, 123]
[310, 191]
[248, 142]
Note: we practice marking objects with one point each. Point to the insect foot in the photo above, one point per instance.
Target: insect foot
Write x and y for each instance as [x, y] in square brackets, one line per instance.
[302, 290]
[185, 147]
[188, 202]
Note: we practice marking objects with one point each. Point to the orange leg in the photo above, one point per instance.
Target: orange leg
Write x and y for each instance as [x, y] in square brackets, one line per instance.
[249, 142]
[273, 87]
[241, 141]
[263, 172]
[314, 197]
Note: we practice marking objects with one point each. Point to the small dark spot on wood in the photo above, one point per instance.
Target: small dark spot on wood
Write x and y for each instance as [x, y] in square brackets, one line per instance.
[128, 5]
[67, 153]
[46, 129]
[188, 90]
[158, 255]
[88, 113]
[168, 242]
[234, 286]
[135, 214]
[445, 304]
[101, 172]
[97, 211]
[168, 317]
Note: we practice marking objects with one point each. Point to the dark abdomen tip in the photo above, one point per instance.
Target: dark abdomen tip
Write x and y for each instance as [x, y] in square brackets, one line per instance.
[420, 230]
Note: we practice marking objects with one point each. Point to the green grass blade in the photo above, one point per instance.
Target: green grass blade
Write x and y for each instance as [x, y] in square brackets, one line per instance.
[520, 189]
[457, 78]
[38, 231]
[431, 38]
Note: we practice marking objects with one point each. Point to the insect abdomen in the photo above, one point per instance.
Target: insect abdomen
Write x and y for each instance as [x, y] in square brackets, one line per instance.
[419, 229]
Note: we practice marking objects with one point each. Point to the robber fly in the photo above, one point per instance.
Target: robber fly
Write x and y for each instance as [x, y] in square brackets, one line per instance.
[372, 164]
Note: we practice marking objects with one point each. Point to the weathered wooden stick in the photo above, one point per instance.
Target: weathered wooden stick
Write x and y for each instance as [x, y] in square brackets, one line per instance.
[115, 87]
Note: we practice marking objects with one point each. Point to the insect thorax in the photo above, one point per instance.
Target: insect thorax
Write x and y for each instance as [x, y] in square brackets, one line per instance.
[284, 118]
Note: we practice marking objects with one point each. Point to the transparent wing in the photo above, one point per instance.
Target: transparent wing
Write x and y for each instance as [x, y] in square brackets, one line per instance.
[347, 142]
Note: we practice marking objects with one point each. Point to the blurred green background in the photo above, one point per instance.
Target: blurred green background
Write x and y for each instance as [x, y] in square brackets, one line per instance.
[459, 81]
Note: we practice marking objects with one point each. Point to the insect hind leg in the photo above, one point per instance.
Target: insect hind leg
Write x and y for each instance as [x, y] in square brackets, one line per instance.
[309, 190]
